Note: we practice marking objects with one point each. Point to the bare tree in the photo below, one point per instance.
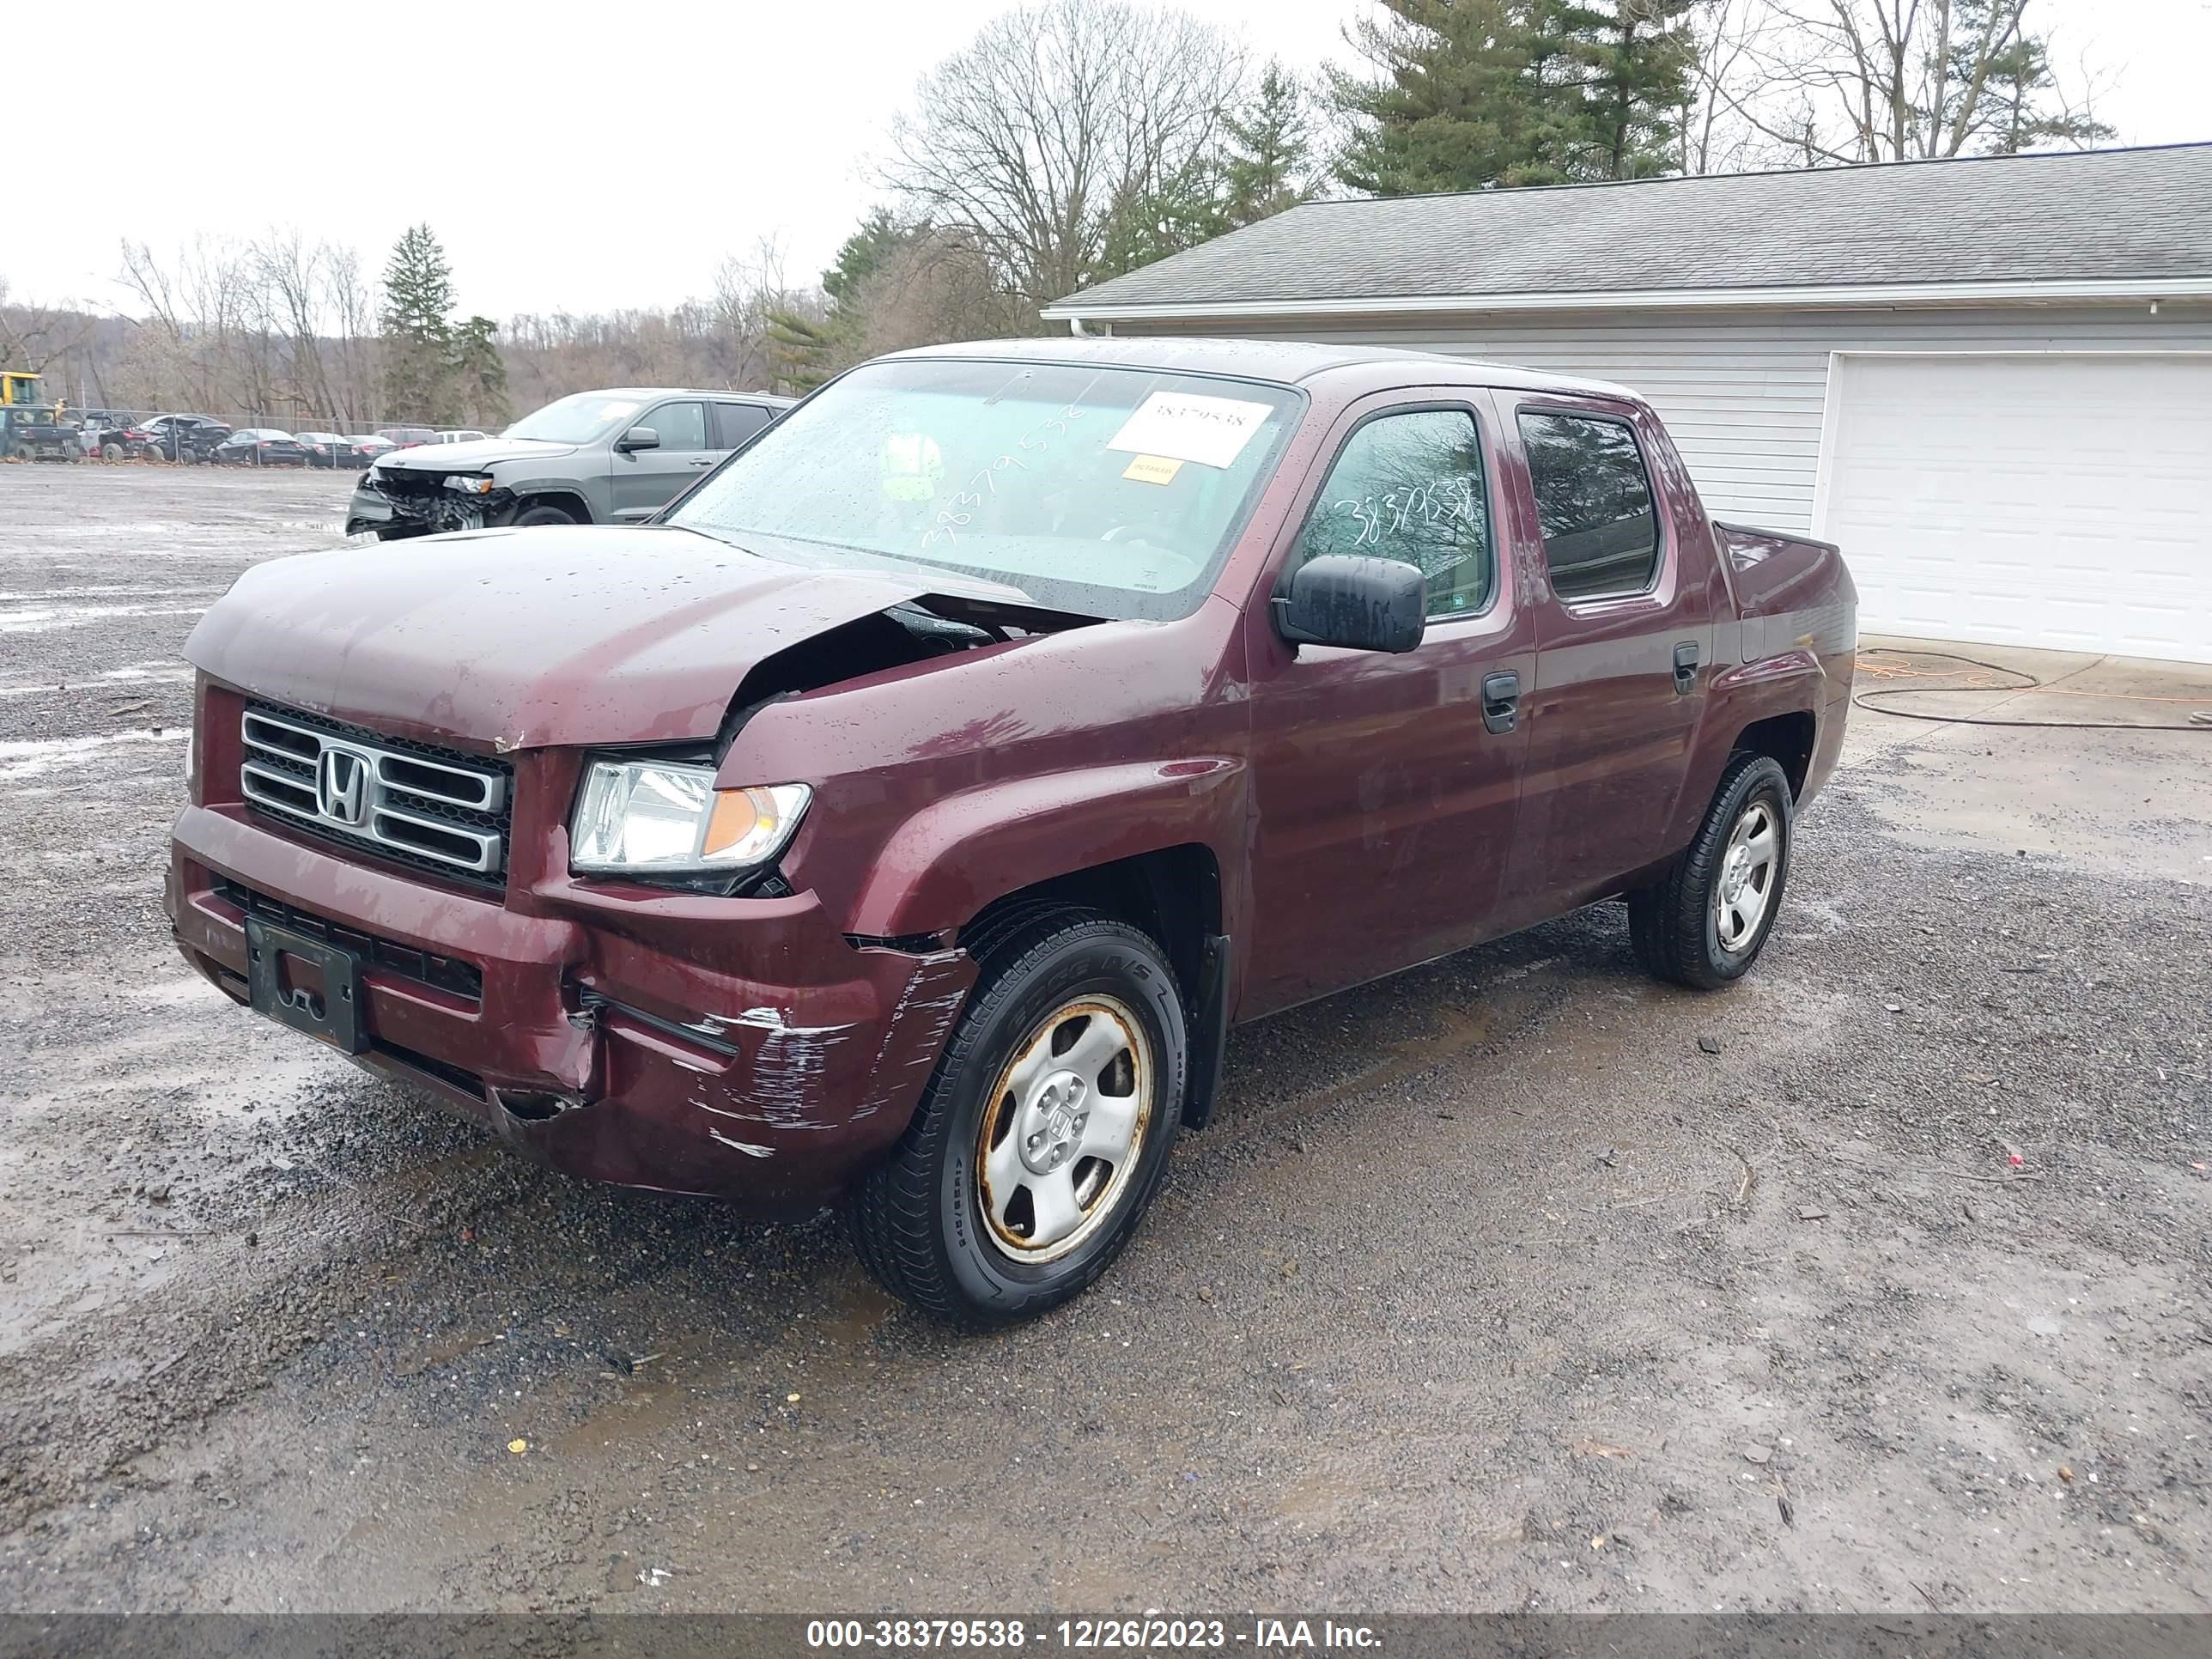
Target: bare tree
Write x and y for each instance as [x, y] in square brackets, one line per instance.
[353, 318]
[1058, 122]
[1728, 71]
[938, 286]
[34, 338]
[279, 328]
[1826, 81]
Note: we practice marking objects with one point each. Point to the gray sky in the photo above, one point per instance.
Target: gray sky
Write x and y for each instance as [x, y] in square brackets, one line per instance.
[583, 157]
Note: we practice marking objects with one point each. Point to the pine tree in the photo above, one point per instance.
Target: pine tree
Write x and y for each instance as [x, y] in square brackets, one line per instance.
[2022, 106]
[477, 368]
[1635, 59]
[1473, 94]
[1270, 152]
[880, 234]
[418, 330]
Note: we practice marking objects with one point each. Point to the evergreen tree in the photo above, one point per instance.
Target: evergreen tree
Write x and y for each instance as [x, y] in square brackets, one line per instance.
[805, 353]
[418, 330]
[2025, 109]
[480, 372]
[1473, 94]
[1270, 161]
[1635, 59]
[880, 234]
[1262, 164]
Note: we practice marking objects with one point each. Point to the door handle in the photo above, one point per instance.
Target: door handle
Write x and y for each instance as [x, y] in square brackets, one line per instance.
[1501, 701]
[704, 460]
[1685, 667]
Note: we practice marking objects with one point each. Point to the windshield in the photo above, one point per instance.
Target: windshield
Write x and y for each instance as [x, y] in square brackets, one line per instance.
[1107, 491]
[576, 420]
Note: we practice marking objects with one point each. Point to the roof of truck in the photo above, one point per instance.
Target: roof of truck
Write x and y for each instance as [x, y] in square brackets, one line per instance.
[775, 397]
[1288, 362]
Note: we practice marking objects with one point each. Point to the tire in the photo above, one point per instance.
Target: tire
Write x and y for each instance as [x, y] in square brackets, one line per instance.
[1704, 921]
[113, 452]
[1058, 985]
[535, 516]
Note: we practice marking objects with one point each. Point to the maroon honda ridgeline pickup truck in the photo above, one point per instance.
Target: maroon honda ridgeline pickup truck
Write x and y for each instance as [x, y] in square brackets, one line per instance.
[905, 816]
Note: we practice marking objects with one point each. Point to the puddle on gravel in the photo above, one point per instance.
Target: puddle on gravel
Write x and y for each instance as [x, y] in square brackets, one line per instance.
[29, 757]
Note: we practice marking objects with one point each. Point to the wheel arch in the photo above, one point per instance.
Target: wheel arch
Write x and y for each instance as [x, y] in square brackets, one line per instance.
[1173, 895]
[568, 497]
[1788, 740]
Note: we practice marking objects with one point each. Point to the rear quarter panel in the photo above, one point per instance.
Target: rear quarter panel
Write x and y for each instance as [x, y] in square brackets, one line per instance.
[1789, 650]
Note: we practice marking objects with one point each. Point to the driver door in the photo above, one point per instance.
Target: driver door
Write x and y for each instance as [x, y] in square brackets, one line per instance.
[644, 481]
[1387, 786]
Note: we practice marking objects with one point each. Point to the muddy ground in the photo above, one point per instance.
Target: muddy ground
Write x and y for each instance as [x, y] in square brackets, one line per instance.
[1490, 1288]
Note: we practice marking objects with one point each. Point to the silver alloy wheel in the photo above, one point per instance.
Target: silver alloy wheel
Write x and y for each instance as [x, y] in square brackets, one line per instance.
[1749, 867]
[1064, 1129]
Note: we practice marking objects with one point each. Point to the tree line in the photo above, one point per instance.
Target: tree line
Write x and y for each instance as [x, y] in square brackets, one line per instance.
[1071, 141]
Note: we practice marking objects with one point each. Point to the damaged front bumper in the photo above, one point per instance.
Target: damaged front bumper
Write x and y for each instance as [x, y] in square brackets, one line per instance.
[419, 504]
[737, 1047]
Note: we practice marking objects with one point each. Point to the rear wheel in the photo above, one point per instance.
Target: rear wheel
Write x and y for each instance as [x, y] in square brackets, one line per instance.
[114, 452]
[1043, 1133]
[1704, 921]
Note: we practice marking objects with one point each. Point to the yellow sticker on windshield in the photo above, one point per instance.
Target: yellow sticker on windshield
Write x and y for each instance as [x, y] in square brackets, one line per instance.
[1153, 469]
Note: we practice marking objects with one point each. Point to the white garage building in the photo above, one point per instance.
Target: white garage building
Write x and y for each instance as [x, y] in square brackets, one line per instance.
[1990, 380]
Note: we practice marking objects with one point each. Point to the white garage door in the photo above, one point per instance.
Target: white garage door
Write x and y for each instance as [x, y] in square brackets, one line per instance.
[2052, 500]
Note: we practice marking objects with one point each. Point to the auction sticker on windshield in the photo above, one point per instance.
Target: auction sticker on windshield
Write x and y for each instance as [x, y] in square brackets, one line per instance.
[1180, 425]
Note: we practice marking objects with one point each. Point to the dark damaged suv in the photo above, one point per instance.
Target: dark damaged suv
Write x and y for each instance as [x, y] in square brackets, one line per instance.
[903, 818]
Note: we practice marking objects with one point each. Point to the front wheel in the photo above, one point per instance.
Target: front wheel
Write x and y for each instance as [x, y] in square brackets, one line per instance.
[1043, 1133]
[1704, 921]
[537, 515]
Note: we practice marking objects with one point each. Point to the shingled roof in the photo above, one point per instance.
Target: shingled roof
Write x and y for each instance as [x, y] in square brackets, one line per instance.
[2118, 215]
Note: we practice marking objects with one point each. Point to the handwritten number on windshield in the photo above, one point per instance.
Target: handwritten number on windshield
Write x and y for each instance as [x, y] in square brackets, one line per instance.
[959, 513]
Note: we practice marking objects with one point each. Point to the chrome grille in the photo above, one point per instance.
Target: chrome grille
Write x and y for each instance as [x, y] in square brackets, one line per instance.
[422, 805]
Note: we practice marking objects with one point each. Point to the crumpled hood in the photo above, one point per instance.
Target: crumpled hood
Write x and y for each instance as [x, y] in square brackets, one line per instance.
[508, 638]
[474, 456]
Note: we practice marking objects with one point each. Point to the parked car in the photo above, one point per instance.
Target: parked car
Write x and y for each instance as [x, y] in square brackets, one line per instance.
[905, 816]
[105, 433]
[611, 457]
[178, 437]
[261, 445]
[406, 437]
[460, 435]
[371, 447]
[331, 449]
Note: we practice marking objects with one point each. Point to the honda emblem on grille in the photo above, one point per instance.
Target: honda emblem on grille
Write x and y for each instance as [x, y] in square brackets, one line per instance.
[342, 787]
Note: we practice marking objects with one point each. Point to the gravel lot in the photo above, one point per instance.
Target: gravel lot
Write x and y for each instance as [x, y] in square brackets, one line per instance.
[1490, 1287]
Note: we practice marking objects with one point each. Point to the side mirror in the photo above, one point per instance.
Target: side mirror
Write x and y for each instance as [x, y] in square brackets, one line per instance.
[638, 437]
[1360, 603]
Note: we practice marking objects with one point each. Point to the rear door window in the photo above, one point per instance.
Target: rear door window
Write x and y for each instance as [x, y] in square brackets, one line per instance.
[1410, 487]
[1593, 504]
[679, 426]
[735, 422]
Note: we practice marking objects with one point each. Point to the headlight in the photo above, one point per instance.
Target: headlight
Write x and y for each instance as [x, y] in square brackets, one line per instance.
[468, 485]
[646, 816]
